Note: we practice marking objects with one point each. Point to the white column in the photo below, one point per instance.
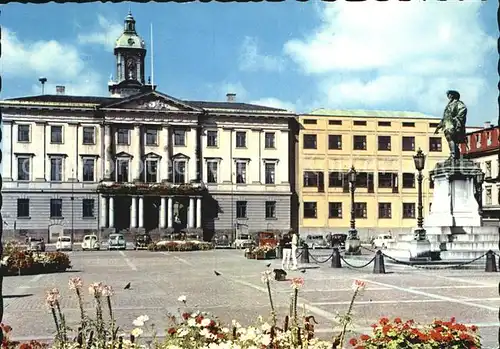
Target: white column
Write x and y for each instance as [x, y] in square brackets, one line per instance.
[133, 213]
[170, 213]
[107, 154]
[198, 213]
[141, 212]
[139, 173]
[104, 212]
[191, 213]
[111, 212]
[162, 212]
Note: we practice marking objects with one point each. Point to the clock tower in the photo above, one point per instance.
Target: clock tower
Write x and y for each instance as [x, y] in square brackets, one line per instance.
[130, 53]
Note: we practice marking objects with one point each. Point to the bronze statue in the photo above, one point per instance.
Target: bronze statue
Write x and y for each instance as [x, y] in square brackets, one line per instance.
[453, 123]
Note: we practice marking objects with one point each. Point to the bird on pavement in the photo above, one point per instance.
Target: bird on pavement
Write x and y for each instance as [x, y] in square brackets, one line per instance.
[268, 265]
[302, 270]
[217, 273]
[127, 286]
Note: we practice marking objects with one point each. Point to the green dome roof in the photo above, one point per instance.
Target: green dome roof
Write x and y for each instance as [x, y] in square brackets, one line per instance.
[130, 38]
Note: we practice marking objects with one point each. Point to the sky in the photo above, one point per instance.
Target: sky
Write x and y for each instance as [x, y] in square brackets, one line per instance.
[294, 55]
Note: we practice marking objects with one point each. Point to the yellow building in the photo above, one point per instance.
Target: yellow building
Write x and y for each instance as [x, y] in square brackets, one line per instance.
[380, 145]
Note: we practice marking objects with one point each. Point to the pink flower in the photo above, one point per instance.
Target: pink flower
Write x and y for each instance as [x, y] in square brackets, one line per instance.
[297, 283]
[358, 285]
[96, 289]
[75, 283]
[52, 298]
[107, 291]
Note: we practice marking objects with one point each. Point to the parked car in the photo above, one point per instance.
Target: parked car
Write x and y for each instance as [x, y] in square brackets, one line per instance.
[64, 243]
[316, 241]
[243, 241]
[338, 240]
[117, 242]
[36, 244]
[382, 241]
[142, 241]
[221, 241]
[90, 242]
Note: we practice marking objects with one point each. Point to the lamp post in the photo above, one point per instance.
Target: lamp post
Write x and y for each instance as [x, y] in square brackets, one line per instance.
[420, 247]
[352, 243]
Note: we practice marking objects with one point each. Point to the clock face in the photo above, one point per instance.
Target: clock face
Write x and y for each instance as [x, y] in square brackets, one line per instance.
[131, 41]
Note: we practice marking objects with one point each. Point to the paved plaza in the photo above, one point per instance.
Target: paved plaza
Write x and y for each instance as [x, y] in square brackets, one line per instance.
[159, 278]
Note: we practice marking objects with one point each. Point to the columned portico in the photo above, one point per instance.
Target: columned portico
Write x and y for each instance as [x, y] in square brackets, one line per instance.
[198, 213]
[111, 212]
[133, 212]
[191, 213]
[141, 212]
[104, 213]
[162, 212]
[170, 210]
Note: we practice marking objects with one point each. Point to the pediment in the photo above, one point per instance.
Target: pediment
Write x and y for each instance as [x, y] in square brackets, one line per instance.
[123, 154]
[151, 101]
[152, 155]
[180, 156]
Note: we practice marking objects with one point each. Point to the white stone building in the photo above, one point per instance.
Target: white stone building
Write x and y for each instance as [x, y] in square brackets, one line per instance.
[141, 160]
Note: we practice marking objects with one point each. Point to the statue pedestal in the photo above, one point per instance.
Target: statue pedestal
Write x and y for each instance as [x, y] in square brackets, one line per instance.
[454, 202]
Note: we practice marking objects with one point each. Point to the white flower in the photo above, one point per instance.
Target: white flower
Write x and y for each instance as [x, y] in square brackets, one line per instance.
[139, 322]
[182, 299]
[205, 322]
[225, 330]
[266, 340]
[191, 322]
[136, 332]
[182, 332]
[265, 327]
[205, 333]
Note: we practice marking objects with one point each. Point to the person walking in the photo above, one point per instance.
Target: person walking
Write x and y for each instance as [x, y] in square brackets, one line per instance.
[286, 243]
[295, 243]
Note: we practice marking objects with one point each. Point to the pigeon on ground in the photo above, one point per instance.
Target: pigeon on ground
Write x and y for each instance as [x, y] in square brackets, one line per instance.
[268, 265]
[217, 273]
[127, 286]
[302, 270]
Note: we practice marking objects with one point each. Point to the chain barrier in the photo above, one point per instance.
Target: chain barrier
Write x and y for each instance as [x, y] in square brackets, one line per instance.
[445, 267]
[320, 262]
[357, 266]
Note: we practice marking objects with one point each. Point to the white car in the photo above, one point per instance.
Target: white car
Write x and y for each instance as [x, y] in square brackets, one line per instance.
[382, 241]
[64, 243]
[243, 241]
[90, 242]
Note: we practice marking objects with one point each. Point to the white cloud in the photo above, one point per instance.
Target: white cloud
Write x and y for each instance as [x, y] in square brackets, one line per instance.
[252, 60]
[105, 34]
[389, 54]
[274, 103]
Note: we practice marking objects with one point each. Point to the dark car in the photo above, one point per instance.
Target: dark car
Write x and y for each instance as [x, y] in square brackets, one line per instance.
[338, 240]
[142, 241]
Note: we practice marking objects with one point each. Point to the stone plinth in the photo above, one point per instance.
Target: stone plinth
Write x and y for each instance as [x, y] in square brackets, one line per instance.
[454, 203]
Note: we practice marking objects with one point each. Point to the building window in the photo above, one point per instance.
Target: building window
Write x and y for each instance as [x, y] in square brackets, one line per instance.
[241, 139]
[122, 136]
[478, 140]
[310, 122]
[360, 210]
[335, 179]
[334, 210]
[179, 171]
[88, 169]
[335, 122]
[88, 135]
[387, 179]
[212, 167]
[88, 208]
[310, 179]
[310, 142]
[359, 142]
[310, 210]
[151, 136]
[408, 210]
[23, 133]
[23, 168]
[488, 195]
[270, 209]
[408, 124]
[408, 143]
[241, 209]
[180, 138]
[151, 171]
[211, 138]
[122, 167]
[431, 183]
[270, 173]
[55, 208]
[435, 144]
[408, 180]
[487, 172]
[359, 123]
[365, 180]
[270, 140]
[488, 138]
[384, 142]
[23, 208]
[335, 142]
[241, 172]
[56, 135]
[384, 210]
[56, 169]
[384, 123]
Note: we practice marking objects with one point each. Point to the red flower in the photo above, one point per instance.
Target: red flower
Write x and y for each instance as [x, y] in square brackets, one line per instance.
[353, 342]
[172, 331]
[397, 320]
[199, 319]
[384, 321]
[364, 337]
[186, 316]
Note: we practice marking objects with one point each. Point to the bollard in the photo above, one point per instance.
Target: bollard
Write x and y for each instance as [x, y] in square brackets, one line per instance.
[304, 257]
[491, 263]
[379, 266]
[279, 252]
[336, 262]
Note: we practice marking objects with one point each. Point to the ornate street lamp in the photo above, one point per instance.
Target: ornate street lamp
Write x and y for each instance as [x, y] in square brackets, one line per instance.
[352, 244]
[419, 160]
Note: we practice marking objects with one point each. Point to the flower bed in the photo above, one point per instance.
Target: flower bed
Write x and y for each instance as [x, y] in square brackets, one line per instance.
[261, 252]
[200, 330]
[181, 246]
[19, 262]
